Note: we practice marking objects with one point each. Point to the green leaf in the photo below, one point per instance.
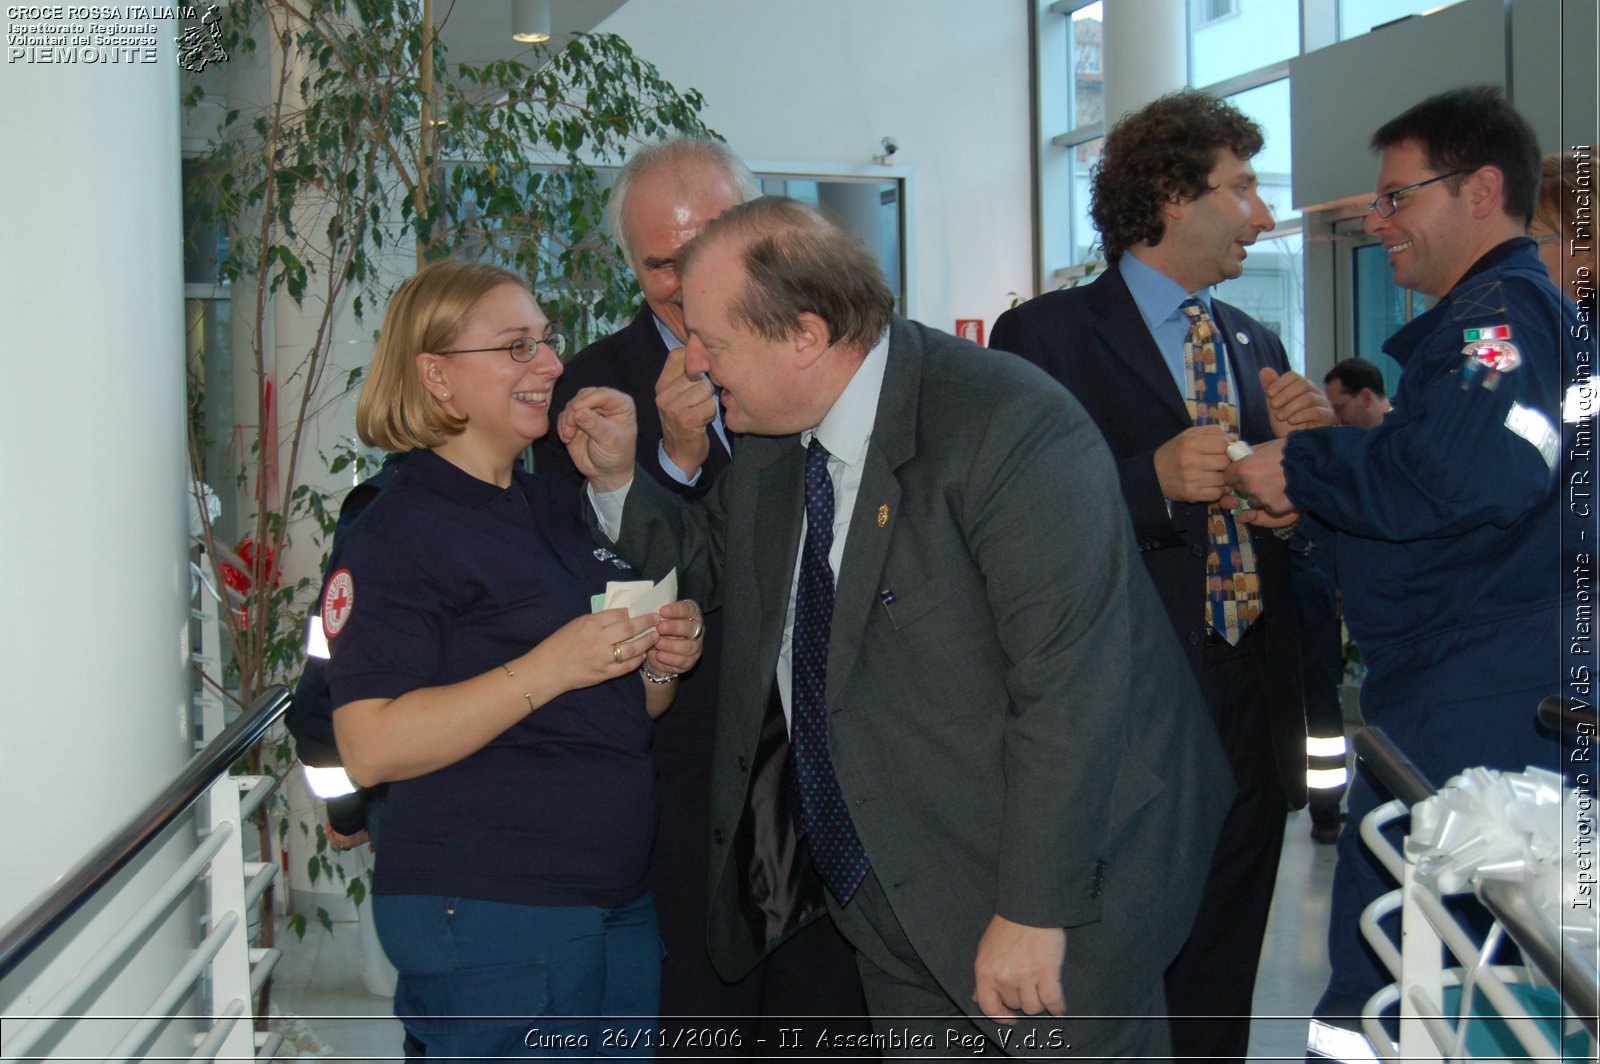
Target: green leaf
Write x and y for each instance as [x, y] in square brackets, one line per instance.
[302, 197]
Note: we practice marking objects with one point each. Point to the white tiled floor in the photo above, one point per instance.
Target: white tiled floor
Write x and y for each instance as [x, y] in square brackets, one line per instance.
[320, 1004]
[327, 1013]
[1294, 957]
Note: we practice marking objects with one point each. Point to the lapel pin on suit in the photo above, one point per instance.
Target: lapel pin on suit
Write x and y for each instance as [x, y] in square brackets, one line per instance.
[1242, 337]
[883, 515]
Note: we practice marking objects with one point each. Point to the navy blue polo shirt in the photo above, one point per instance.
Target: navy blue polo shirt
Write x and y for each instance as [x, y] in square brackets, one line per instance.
[450, 577]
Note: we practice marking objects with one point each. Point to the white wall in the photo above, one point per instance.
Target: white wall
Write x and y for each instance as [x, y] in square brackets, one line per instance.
[94, 626]
[824, 81]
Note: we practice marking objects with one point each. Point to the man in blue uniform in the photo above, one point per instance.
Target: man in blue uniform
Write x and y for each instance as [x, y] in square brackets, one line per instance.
[1444, 522]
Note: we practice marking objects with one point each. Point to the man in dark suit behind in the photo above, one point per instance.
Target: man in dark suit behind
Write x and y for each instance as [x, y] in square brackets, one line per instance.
[978, 748]
[1175, 200]
[662, 198]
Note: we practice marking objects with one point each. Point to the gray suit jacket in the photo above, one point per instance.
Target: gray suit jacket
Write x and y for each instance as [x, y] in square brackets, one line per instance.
[1012, 722]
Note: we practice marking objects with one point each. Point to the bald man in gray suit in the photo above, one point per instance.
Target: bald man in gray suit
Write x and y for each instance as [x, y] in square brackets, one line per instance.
[983, 751]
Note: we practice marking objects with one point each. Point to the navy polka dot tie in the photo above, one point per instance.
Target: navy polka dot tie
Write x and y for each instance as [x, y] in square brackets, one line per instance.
[824, 819]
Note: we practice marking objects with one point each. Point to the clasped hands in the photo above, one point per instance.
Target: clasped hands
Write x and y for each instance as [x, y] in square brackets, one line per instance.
[1194, 465]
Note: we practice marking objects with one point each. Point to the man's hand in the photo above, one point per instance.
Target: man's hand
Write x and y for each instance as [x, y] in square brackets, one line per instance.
[600, 429]
[1259, 478]
[1019, 968]
[686, 405]
[344, 842]
[1295, 403]
[1189, 466]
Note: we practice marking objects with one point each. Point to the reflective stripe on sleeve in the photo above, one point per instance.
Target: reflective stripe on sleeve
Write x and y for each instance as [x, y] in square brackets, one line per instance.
[1338, 1043]
[1325, 746]
[1326, 779]
[1536, 429]
[316, 640]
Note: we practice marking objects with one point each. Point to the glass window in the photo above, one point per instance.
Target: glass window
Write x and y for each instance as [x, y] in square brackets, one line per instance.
[220, 441]
[1272, 288]
[205, 247]
[1086, 90]
[1363, 16]
[1208, 11]
[1257, 33]
[1085, 238]
[1268, 106]
[1381, 307]
[873, 210]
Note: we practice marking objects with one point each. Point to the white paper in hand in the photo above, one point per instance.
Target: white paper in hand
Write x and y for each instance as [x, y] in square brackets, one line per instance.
[641, 596]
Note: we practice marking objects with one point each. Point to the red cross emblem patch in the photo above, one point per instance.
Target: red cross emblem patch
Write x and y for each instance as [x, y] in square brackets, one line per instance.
[338, 601]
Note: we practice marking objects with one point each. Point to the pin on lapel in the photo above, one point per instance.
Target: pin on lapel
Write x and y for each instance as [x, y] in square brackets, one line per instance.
[1242, 337]
[883, 515]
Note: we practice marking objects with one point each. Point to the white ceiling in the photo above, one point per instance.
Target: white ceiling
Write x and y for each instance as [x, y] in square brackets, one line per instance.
[475, 31]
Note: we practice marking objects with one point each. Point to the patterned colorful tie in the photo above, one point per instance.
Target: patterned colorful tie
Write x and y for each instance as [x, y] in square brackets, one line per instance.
[824, 819]
[1233, 589]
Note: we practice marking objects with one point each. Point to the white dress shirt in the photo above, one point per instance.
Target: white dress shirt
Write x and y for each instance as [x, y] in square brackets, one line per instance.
[845, 431]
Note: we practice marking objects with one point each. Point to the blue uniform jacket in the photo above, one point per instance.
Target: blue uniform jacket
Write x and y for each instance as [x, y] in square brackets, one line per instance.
[1444, 523]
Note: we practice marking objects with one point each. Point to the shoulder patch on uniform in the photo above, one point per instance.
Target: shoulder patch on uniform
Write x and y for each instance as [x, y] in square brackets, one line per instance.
[1486, 332]
[338, 602]
[1485, 298]
[1501, 356]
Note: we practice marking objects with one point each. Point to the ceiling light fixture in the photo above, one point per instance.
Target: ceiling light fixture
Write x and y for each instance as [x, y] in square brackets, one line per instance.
[530, 21]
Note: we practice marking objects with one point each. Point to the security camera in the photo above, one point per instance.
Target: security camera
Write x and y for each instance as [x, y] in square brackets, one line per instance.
[890, 146]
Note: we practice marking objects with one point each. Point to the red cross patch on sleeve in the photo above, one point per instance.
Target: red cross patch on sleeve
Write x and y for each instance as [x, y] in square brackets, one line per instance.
[338, 601]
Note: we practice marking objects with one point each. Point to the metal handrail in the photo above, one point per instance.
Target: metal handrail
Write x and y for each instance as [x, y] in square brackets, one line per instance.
[1539, 942]
[1398, 774]
[1567, 714]
[28, 930]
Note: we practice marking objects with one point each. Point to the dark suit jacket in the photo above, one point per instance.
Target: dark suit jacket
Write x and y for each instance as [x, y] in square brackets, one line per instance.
[1013, 727]
[1093, 340]
[630, 360]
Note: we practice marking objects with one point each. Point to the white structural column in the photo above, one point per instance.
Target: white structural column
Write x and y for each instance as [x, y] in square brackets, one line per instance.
[93, 641]
[1145, 53]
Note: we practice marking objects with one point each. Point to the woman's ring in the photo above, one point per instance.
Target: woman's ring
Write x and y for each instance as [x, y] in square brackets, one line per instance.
[699, 628]
[616, 653]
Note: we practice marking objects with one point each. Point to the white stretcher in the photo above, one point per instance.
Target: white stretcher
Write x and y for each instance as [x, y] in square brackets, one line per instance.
[1454, 1001]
